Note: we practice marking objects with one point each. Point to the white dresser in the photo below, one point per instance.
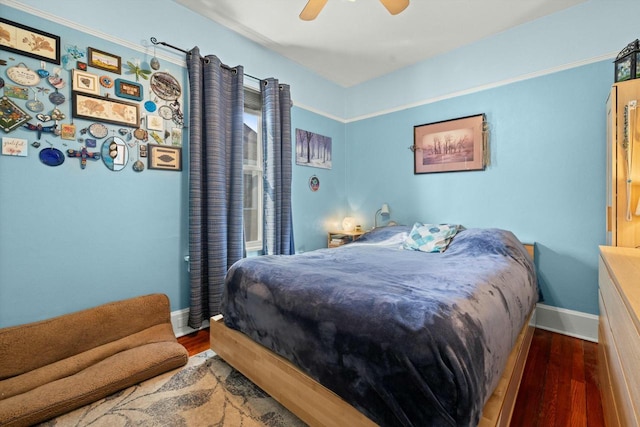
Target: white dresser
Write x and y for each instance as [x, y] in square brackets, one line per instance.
[619, 335]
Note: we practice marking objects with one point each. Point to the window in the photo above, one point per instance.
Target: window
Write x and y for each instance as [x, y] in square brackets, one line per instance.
[252, 169]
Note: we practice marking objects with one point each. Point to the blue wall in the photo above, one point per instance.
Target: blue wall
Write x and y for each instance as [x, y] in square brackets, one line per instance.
[542, 86]
[545, 181]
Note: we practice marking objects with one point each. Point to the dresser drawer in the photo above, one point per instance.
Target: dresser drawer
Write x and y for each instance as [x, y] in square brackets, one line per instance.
[621, 342]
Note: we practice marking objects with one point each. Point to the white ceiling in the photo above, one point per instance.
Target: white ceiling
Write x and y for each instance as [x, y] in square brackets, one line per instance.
[353, 41]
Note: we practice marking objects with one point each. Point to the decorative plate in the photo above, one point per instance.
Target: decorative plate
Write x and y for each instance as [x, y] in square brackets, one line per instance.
[51, 156]
[98, 130]
[56, 98]
[23, 75]
[106, 81]
[165, 86]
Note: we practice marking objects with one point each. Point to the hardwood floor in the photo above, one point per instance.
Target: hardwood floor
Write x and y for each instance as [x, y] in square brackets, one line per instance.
[559, 385]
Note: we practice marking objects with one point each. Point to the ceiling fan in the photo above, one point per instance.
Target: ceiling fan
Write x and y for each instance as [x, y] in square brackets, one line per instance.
[313, 8]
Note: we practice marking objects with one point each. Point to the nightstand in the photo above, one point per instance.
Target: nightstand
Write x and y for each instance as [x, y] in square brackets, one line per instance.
[339, 238]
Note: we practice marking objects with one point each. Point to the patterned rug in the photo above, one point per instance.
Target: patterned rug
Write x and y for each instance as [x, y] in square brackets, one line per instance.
[206, 392]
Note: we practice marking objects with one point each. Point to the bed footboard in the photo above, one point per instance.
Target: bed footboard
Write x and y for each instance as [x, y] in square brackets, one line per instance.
[318, 406]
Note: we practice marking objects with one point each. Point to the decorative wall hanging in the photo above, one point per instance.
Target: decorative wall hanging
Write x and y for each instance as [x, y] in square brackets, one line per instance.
[106, 81]
[314, 183]
[129, 90]
[115, 153]
[165, 86]
[12, 116]
[16, 92]
[83, 155]
[85, 82]
[313, 149]
[56, 98]
[14, 147]
[23, 75]
[39, 128]
[29, 41]
[51, 156]
[450, 145]
[138, 165]
[56, 81]
[92, 107]
[138, 71]
[68, 131]
[34, 104]
[176, 136]
[104, 61]
[165, 158]
[155, 123]
[98, 130]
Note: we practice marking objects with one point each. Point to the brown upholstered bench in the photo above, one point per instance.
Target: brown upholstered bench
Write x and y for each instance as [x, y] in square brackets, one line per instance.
[51, 367]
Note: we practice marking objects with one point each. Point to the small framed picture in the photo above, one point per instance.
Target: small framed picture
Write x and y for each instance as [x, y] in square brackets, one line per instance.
[68, 131]
[85, 82]
[155, 123]
[165, 157]
[129, 90]
[176, 137]
[104, 61]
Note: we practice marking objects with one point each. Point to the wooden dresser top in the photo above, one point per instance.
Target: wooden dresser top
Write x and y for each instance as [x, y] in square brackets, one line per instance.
[624, 268]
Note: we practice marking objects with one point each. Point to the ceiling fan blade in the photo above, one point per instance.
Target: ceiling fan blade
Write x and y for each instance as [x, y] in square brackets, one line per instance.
[395, 6]
[312, 9]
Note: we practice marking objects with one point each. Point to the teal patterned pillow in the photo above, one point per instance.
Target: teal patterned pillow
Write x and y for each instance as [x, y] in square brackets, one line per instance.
[430, 237]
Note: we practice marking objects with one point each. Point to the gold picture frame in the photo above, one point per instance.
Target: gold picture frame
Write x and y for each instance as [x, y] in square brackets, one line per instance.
[93, 107]
[165, 157]
[27, 41]
[450, 145]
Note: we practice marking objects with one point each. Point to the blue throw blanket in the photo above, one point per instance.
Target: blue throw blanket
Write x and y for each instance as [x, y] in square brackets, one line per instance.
[409, 338]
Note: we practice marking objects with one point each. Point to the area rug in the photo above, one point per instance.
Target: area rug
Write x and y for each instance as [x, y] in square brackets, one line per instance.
[205, 392]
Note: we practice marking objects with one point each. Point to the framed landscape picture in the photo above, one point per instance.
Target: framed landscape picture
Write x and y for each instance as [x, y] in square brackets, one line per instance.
[449, 145]
[104, 61]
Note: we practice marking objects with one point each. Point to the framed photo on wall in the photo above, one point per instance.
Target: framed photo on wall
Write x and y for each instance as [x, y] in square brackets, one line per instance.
[93, 107]
[85, 82]
[450, 145]
[27, 41]
[104, 61]
[129, 90]
[165, 157]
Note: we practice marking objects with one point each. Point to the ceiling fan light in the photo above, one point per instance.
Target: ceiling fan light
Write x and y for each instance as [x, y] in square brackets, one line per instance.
[395, 6]
[312, 9]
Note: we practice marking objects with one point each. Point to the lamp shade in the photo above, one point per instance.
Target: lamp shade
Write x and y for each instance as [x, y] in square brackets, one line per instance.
[385, 209]
[349, 223]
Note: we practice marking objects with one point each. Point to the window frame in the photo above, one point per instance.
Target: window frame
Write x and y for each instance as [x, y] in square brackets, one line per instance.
[256, 245]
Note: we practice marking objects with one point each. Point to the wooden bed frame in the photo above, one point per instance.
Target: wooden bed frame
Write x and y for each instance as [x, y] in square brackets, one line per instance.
[316, 405]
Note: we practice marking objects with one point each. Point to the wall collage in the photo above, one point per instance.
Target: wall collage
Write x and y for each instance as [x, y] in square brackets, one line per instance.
[86, 104]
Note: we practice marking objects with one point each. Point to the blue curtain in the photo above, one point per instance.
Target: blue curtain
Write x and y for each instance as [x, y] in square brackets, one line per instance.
[276, 140]
[216, 238]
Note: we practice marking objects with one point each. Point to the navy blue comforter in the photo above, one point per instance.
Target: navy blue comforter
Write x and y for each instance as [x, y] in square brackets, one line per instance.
[409, 338]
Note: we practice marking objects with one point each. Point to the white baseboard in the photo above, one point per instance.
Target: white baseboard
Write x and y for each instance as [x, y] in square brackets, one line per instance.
[179, 320]
[568, 322]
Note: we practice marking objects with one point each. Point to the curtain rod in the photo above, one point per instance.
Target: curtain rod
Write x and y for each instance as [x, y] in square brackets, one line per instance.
[156, 42]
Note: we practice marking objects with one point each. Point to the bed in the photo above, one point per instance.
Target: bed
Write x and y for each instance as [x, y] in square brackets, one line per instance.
[372, 333]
